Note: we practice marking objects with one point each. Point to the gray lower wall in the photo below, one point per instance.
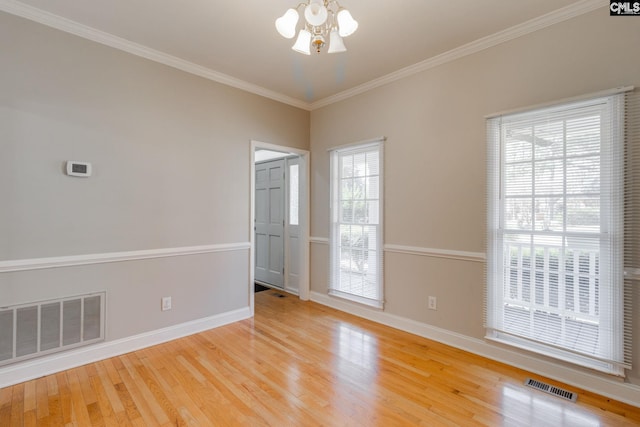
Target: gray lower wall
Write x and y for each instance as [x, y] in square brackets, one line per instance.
[171, 159]
[435, 153]
[200, 286]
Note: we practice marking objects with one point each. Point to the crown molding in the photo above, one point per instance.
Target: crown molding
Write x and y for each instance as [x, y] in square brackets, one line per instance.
[72, 27]
[38, 15]
[495, 39]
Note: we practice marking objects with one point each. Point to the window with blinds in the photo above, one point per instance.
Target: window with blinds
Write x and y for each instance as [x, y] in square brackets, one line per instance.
[356, 223]
[556, 231]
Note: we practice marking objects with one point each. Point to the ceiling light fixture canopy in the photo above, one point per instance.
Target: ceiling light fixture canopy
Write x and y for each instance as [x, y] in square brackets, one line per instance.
[323, 19]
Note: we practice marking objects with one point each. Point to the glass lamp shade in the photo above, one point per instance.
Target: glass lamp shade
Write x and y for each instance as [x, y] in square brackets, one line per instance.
[303, 42]
[315, 13]
[336, 44]
[286, 24]
[346, 24]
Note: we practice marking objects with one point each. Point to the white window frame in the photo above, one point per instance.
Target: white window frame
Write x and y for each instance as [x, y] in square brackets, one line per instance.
[377, 300]
[610, 356]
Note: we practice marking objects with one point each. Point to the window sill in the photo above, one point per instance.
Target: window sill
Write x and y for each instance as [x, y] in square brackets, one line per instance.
[378, 305]
[556, 353]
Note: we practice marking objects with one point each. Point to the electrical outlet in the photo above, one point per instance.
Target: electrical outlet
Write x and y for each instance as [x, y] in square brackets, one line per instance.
[433, 303]
[166, 303]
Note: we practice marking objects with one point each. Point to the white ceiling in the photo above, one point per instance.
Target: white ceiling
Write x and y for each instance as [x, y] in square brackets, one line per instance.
[236, 41]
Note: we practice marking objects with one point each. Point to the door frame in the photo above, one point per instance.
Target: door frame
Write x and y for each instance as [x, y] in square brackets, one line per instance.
[304, 156]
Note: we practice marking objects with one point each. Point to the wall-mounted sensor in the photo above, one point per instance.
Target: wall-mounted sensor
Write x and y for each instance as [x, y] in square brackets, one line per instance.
[78, 168]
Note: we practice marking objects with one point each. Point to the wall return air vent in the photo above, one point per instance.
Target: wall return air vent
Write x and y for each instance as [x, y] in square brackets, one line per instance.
[45, 327]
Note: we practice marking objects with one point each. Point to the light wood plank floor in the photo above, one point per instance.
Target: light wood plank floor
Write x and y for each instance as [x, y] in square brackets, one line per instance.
[299, 364]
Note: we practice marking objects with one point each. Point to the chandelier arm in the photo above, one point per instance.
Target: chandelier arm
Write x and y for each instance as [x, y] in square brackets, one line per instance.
[334, 11]
[334, 20]
[334, 2]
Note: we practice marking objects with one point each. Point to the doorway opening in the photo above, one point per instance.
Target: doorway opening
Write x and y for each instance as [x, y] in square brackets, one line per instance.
[279, 228]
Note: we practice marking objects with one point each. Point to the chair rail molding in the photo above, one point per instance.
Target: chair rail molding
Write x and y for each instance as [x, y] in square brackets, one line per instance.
[101, 258]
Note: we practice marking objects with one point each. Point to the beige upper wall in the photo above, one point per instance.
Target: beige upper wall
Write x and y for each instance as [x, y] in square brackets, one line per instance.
[170, 151]
[171, 159]
[435, 154]
[434, 122]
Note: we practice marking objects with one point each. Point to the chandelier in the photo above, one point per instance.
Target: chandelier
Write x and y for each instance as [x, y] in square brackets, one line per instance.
[322, 19]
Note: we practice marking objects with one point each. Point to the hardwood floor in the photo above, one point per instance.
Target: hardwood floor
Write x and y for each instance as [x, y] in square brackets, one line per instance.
[299, 364]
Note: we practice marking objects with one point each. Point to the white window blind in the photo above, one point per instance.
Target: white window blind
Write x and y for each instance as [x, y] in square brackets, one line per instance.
[556, 233]
[356, 223]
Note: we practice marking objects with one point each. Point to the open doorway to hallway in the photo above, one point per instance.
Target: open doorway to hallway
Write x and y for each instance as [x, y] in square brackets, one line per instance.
[280, 221]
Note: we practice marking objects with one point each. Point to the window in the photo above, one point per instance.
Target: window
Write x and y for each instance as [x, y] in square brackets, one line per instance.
[555, 268]
[356, 223]
[294, 192]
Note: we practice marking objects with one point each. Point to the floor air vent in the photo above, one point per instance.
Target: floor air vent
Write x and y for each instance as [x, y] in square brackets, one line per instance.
[44, 327]
[277, 295]
[548, 388]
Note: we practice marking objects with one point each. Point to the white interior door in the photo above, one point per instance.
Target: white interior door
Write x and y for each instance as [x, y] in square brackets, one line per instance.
[269, 222]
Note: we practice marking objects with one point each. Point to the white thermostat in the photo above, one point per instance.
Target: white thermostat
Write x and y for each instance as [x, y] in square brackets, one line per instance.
[78, 168]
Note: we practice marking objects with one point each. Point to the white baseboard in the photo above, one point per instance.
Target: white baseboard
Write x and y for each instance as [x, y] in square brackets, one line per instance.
[28, 370]
[615, 389]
